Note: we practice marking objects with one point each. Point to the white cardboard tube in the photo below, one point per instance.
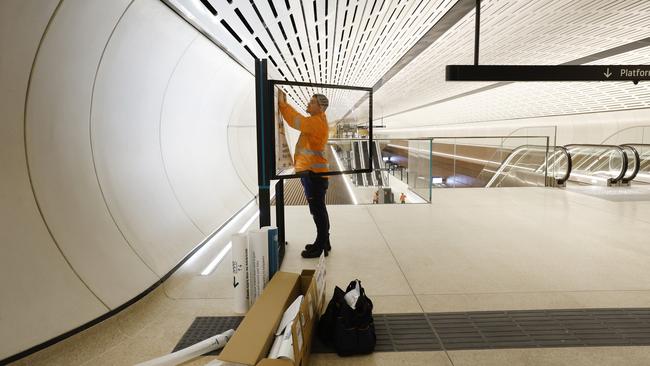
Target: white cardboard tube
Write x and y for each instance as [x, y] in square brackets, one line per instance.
[240, 272]
[190, 352]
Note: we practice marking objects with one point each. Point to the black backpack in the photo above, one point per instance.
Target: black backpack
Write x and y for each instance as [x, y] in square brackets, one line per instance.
[349, 331]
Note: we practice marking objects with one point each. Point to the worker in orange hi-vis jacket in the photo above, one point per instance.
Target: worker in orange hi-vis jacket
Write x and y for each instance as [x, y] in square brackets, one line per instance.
[310, 158]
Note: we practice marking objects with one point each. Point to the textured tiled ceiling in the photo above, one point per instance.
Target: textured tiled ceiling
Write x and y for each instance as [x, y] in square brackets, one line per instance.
[525, 32]
[355, 42]
[344, 42]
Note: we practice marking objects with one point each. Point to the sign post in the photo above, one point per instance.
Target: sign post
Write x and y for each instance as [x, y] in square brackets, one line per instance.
[263, 146]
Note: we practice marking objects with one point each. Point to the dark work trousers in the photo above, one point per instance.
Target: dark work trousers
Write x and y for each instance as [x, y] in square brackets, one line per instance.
[315, 190]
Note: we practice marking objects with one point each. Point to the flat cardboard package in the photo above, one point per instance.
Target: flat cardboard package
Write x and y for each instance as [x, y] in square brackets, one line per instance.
[252, 341]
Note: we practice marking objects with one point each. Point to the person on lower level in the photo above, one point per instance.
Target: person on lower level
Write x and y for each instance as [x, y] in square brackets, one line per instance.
[309, 158]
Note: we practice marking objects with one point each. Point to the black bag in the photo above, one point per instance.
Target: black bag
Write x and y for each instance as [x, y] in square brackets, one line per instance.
[349, 331]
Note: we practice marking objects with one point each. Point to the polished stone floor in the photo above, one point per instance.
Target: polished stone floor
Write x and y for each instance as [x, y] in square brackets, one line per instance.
[471, 249]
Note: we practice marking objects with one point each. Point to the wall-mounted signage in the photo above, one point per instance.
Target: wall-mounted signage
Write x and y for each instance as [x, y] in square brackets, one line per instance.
[633, 73]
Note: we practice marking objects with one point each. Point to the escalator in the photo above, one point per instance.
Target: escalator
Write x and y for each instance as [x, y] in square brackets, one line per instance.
[598, 164]
[356, 160]
[376, 157]
[582, 164]
[526, 166]
[366, 159]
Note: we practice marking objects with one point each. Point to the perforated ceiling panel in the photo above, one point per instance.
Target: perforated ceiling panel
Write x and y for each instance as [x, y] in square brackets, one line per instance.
[345, 42]
[355, 42]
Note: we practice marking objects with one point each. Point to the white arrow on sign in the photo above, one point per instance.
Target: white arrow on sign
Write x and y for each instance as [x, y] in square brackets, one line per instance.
[607, 74]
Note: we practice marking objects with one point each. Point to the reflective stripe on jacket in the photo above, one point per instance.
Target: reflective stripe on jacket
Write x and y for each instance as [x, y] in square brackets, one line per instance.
[314, 132]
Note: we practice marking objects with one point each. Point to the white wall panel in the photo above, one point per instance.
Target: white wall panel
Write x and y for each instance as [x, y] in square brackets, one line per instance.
[592, 128]
[41, 295]
[125, 128]
[242, 140]
[199, 101]
[59, 151]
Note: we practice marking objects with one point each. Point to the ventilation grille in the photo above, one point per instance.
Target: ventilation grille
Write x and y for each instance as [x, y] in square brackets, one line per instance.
[481, 330]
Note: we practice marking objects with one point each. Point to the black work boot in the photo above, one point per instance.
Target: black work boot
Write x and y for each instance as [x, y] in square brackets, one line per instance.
[313, 252]
[328, 247]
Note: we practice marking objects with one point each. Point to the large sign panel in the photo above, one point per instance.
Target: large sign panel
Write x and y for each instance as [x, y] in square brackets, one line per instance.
[633, 73]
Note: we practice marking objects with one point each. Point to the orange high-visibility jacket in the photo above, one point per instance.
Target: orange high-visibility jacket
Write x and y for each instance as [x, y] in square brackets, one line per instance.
[314, 132]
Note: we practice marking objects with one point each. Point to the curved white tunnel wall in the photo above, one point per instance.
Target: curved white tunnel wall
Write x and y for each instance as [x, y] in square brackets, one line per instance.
[129, 151]
[41, 296]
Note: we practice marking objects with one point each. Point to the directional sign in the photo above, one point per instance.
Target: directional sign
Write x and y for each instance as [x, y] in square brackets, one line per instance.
[548, 73]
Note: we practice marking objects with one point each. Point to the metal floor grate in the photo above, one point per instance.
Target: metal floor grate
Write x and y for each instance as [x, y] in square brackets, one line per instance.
[481, 330]
[543, 328]
[205, 327]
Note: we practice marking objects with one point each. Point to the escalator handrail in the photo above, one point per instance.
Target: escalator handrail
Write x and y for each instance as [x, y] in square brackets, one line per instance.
[614, 147]
[637, 163]
[569, 164]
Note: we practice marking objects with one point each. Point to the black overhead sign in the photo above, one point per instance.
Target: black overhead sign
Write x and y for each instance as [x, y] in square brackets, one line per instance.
[548, 73]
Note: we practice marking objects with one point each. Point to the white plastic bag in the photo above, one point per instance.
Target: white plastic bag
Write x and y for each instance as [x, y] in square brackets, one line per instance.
[352, 296]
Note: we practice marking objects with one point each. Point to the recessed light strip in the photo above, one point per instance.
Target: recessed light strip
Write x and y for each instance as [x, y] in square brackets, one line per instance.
[215, 262]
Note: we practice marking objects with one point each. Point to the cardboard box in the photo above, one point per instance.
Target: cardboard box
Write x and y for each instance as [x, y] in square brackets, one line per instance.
[252, 341]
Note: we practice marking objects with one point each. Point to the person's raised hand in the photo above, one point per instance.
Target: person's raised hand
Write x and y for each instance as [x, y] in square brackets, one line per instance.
[282, 98]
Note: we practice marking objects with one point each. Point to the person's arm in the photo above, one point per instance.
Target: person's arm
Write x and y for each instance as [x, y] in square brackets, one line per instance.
[293, 117]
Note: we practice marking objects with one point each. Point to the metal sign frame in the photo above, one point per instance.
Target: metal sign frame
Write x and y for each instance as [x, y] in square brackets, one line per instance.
[271, 126]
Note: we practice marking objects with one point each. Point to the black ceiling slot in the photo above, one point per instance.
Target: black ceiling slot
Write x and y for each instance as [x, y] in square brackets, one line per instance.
[284, 34]
[373, 7]
[275, 13]
[293, 23]
[273, 61]
[243, 20]
[251, 52]
[391, 16]
[286, 3]
[327, 5]
[209, 6]
[314, 7]
[232, 32]
[261, 45]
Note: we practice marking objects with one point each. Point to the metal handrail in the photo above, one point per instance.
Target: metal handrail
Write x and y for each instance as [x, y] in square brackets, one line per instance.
[637, 163]
[434, 138]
